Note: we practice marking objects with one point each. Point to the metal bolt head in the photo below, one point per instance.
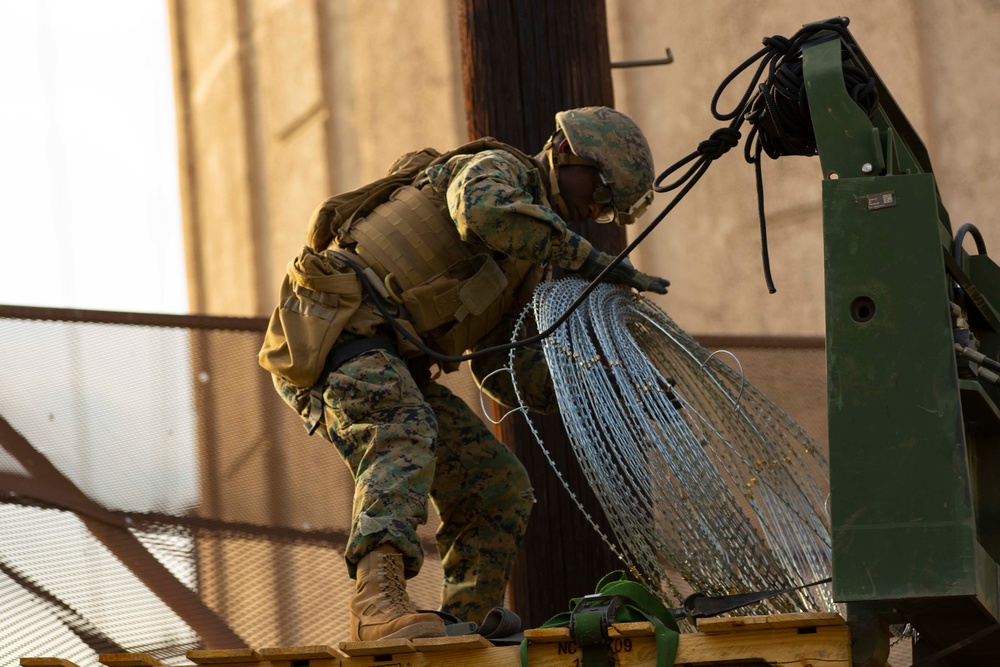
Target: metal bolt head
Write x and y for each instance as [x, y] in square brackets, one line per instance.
[866, 168]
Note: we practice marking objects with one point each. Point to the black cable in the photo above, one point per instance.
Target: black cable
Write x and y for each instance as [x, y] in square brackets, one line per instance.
[765, 256]
[376, 298]
[956, 245]
[778, 111]
[956, 251]
[700, 605]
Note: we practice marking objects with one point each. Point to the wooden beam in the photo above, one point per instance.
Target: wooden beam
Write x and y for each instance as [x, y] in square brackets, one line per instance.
[523, 61]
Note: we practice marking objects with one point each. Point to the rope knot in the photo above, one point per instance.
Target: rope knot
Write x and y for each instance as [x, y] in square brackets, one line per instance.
[778, 44]
[719, 143]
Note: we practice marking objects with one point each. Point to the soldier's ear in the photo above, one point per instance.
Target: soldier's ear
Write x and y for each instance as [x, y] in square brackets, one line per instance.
[563, 147]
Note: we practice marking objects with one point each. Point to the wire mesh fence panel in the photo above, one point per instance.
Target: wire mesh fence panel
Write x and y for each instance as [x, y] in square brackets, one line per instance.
[158, 496]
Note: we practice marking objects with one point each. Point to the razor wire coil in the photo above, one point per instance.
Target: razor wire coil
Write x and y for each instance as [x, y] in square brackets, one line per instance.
[707, 485]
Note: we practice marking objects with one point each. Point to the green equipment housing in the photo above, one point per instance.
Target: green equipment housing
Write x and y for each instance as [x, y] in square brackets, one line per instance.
[913, 422]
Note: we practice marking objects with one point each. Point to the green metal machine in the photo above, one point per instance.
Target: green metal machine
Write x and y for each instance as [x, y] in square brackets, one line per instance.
[912, 334]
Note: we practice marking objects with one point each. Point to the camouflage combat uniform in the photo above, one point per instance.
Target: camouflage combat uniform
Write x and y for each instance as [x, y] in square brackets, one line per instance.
[407, 439]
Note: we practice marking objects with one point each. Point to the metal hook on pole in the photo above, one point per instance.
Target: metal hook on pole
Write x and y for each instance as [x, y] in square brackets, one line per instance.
[644, 63]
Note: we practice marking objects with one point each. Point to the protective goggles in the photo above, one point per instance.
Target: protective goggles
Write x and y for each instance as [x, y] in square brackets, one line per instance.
[604, 196]
[603, 193]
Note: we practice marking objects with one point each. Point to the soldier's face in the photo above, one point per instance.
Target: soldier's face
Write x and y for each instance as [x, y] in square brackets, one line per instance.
[577, 184]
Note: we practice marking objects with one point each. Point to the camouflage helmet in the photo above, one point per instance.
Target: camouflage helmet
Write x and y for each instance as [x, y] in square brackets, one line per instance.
[611, 141]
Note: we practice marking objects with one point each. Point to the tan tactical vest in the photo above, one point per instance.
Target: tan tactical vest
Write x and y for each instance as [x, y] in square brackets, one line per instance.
[453, 292]
[448, 292]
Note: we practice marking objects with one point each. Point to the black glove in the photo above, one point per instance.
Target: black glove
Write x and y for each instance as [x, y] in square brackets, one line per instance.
[623, 274]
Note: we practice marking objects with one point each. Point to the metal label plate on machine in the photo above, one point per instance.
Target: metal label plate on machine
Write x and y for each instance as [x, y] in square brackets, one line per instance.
[879, 200]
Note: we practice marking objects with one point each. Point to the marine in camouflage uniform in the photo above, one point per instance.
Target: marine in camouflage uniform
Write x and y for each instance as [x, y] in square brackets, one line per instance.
[407, 438]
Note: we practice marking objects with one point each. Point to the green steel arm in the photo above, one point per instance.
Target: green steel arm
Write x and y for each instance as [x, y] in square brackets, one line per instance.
[914, 447]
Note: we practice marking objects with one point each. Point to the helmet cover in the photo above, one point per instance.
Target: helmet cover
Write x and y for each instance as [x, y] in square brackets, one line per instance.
[616, 145]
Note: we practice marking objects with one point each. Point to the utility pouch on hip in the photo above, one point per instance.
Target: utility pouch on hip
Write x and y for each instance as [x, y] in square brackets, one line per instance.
[318, 297]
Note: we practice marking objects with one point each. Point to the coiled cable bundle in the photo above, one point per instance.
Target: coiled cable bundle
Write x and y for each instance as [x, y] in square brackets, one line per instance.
[777, 110]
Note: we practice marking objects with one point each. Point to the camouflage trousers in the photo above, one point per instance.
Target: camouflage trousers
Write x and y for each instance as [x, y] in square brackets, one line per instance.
[404, 444]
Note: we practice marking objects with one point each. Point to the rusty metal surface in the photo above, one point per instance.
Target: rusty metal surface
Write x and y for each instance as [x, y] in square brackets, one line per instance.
[139, 319]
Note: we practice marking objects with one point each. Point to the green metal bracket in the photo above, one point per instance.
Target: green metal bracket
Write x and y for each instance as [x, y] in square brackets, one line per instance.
[848, 143]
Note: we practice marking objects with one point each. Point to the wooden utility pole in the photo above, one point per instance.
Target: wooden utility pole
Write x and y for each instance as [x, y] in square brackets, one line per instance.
[524, 60]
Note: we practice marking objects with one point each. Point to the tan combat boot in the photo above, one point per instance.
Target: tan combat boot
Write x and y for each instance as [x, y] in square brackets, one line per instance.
[381, 608]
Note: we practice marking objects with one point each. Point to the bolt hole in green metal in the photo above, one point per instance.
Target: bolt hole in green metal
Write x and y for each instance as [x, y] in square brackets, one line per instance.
[833, 175]
[862, 309]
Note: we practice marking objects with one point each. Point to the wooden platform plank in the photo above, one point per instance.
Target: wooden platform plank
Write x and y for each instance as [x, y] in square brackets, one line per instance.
[456, 643]
[637, 629]
[829, 646]
[775, 621]
[377, 647]
[547, 635]
[318, 652]
[775, 640]
[550, 635]
[128, 660]
[785, 648]
[786, 640]
[227, 656]
[627, 652]
[495, 656]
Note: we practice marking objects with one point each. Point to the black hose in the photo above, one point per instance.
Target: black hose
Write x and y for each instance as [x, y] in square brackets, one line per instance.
[376, 298]
[956, 251]
[956, 244]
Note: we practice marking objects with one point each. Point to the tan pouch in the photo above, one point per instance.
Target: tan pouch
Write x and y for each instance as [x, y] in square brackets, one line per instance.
[318, 297]
[469, 287]
[519, 279]
[454, 340]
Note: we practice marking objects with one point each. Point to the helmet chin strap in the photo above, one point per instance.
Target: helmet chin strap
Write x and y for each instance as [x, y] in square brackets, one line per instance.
[554, 194]
[555, 161]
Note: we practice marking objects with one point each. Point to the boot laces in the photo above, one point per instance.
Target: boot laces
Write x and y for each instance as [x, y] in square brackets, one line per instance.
[393, 587]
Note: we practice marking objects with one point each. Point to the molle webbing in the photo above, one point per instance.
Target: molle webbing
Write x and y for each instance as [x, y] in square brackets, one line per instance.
[411, 245]
[454, 292]
[410, 238]
[469, 287]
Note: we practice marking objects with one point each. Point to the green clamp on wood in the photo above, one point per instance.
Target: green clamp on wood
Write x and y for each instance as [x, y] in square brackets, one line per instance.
[593, 615]
[617, 600]
[589, 623]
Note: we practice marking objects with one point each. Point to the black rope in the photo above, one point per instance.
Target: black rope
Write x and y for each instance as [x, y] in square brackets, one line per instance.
[777, 110]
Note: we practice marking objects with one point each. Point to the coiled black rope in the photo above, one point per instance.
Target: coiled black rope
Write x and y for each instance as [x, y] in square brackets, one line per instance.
[778, 112]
